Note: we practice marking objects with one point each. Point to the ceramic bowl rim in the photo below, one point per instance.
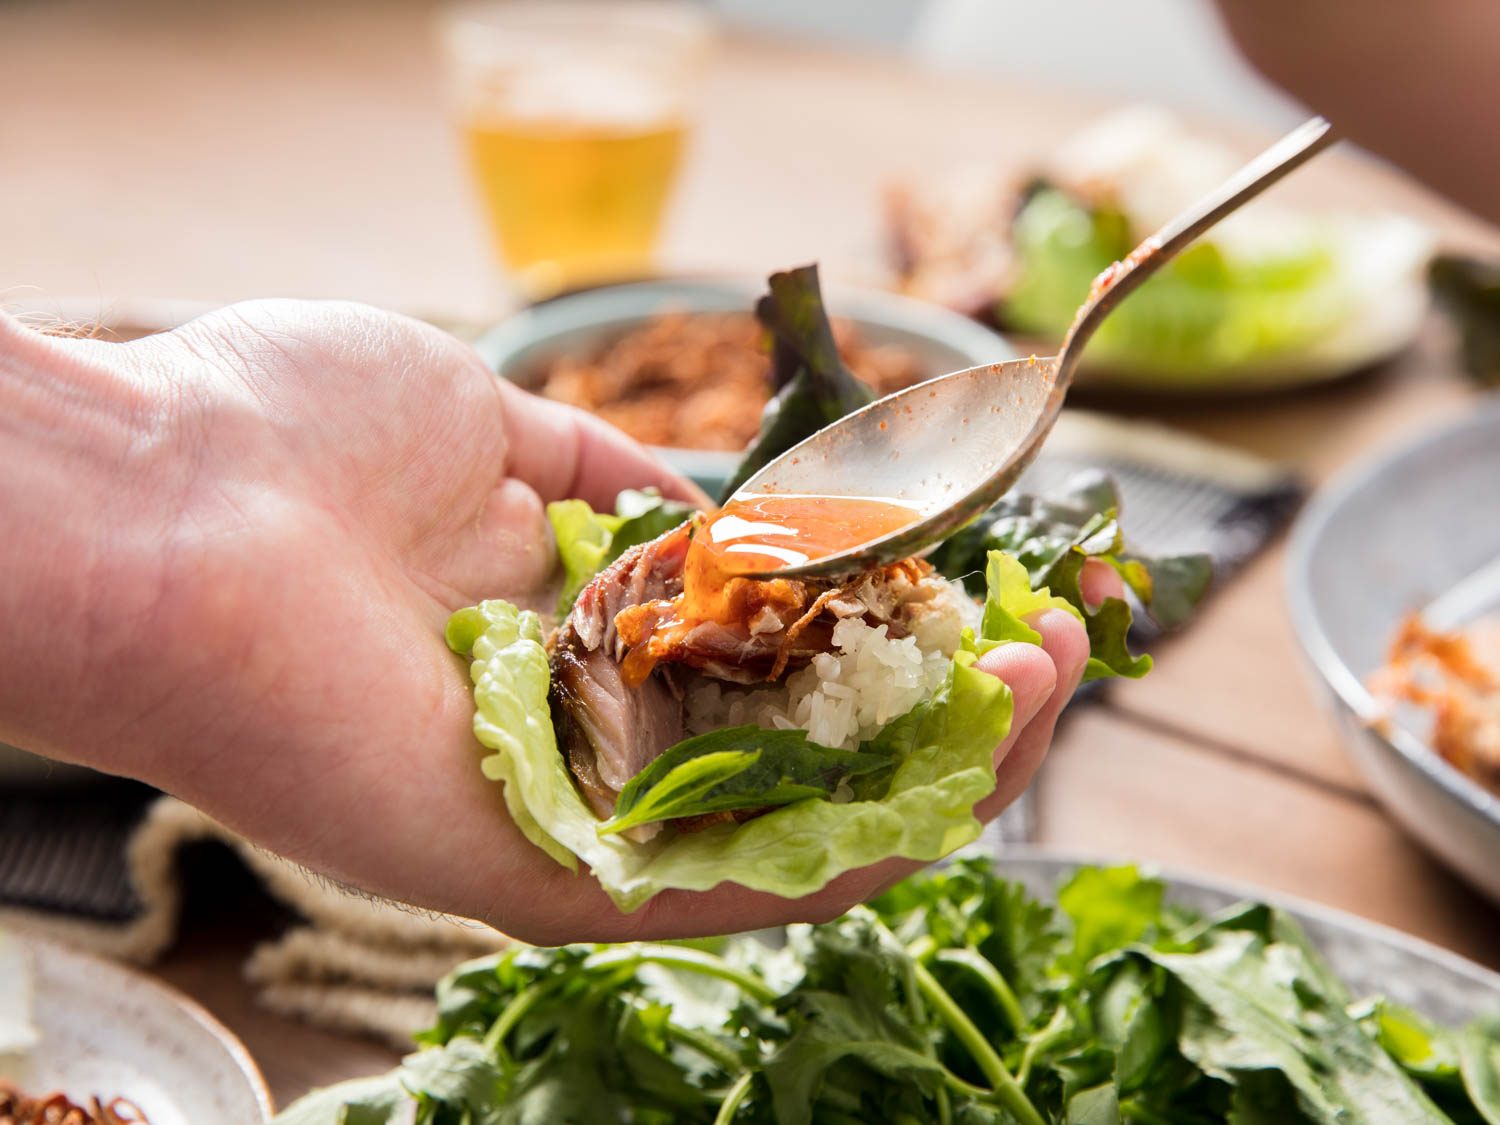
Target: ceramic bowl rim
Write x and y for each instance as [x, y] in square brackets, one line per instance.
[1317, 647]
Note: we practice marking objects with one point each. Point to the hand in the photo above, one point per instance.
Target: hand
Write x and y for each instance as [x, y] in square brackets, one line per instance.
[240, 543]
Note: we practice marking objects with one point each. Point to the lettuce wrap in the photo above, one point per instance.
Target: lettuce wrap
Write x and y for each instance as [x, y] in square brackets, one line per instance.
[766, 804]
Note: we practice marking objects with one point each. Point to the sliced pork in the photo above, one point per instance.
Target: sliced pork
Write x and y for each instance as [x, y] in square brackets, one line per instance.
[621, 658]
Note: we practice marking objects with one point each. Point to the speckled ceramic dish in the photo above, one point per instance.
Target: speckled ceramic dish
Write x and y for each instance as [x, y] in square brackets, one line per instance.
[105, 1030]
[521, 346]
[1383, 540]
[1370, 958]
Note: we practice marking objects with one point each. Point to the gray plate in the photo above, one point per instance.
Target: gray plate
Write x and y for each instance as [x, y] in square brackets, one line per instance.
[1384, 539]
[521, 346]
[1370, 958]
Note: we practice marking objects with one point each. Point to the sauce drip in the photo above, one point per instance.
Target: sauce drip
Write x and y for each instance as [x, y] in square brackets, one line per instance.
[753, 535]
[764, 533]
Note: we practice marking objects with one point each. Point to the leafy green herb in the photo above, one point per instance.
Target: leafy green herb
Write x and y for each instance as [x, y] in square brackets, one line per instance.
[1121, 1008]
[813, 386]
[1468, 289]
[1111, 907]
[1053, 537]
[736, 768]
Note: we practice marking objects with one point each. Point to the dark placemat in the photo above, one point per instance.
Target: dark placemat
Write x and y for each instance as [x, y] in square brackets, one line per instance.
[63, 849]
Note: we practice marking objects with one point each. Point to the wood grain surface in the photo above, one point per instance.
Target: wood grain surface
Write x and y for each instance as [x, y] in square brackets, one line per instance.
[168, 155]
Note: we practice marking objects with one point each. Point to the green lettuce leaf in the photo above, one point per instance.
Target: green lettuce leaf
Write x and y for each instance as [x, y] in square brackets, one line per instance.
[742, 767]
[588, 541]
[1255, 1015]
[1205, 314]
[940, 754]
[1009, 597]
[1051, 539]
[583, 539]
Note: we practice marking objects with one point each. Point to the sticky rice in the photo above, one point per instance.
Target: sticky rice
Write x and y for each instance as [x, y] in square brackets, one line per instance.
[845, 696]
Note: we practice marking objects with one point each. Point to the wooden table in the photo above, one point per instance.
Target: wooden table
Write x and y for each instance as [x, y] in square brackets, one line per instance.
[169, 149]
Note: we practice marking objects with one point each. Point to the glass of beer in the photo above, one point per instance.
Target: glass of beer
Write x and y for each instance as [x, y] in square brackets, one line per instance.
[574, 114]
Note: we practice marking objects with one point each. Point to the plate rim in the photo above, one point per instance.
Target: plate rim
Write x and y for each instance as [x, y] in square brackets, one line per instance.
[1313, 638]
[140, 978]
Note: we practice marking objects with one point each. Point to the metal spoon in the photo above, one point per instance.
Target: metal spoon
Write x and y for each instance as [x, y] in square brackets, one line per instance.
[952, 446]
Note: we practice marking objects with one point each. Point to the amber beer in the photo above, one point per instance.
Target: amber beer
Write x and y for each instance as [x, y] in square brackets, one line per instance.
[573, 116]
[569, 202]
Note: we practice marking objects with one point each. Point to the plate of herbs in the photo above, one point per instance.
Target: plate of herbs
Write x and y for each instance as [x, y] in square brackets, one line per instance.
[1034, 989]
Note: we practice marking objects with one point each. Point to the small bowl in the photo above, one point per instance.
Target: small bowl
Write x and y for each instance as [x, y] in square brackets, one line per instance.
[520, 347]
[1381, 541]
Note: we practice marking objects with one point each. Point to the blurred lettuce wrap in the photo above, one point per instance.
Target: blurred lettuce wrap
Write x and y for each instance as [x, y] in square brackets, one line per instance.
[1272, 295]
[1257, 305]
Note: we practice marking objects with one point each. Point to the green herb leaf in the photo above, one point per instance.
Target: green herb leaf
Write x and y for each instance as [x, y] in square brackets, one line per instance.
[1254, 1017]
[965, 905]
[1468, 290]
[813, 385]
[458, 1078]
[856, 1010]
[1135, 1012]
[1098, 1105]
[1111, 907]
[742, 767]
[362, 1101]
[643, 516]
[1053, 537]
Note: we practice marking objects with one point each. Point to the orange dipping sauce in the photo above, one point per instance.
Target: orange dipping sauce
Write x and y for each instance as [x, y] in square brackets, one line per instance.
[754, 535]
[764, 533]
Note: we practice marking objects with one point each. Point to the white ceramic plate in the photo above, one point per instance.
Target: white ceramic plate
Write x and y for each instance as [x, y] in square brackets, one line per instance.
[107, 1031]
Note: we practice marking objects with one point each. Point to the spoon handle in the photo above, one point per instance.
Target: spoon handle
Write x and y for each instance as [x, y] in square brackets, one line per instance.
[1123, 278]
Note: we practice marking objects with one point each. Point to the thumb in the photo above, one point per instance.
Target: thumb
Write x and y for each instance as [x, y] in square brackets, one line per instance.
[564, 453]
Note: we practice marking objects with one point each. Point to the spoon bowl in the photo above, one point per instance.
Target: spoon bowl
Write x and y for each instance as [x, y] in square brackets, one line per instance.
[925, 448]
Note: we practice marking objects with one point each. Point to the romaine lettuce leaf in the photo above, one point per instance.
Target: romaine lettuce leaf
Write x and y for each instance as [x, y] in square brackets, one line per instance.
[941, 753]
[583, 539]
